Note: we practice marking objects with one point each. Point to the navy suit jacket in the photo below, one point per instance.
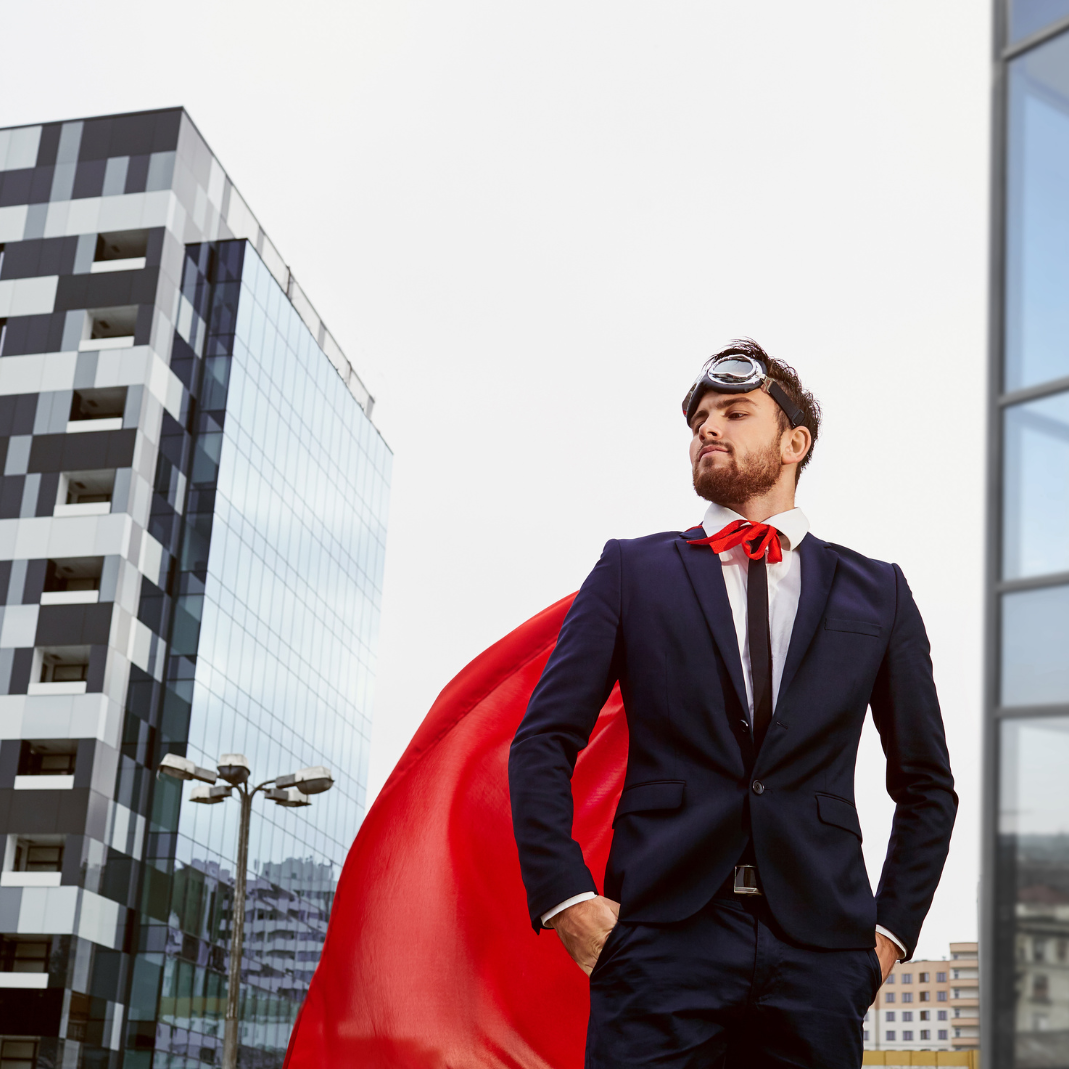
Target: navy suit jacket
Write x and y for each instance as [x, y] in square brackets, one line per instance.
[654, 615]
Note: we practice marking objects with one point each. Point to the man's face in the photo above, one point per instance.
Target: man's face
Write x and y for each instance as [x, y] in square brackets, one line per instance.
[735, 446]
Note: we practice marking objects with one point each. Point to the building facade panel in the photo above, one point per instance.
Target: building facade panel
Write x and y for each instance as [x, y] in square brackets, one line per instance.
[192, 522]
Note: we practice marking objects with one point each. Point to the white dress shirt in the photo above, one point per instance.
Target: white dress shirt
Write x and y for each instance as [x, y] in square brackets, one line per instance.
[784, 590]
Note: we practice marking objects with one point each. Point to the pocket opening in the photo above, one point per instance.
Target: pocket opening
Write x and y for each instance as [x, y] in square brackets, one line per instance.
[838, 812]
[651, 796]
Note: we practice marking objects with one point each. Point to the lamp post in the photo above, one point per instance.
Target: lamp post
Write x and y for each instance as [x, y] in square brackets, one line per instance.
[289, 791]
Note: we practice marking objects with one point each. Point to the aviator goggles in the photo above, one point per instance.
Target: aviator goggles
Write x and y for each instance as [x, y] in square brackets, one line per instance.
[739, 373]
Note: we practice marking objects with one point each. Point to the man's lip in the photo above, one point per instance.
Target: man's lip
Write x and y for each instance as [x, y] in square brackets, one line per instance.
[711, 449]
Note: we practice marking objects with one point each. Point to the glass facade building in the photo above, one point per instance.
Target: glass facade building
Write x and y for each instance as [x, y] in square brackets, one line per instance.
[1025, 977]
[192, 526]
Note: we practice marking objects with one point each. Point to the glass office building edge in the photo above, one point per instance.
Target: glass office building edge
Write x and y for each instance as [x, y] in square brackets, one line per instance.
[276, 617]
[1025, 894]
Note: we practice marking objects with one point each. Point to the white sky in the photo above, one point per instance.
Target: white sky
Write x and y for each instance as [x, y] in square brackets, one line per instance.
[528, 224]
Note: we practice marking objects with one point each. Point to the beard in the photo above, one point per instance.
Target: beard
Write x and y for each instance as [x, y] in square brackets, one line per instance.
[734, 484]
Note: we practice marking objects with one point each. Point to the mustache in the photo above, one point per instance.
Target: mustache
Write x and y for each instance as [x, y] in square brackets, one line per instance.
[726, 447]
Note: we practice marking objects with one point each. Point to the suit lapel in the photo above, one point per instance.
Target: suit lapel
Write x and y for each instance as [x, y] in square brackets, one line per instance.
[707, 577]
[818, 562]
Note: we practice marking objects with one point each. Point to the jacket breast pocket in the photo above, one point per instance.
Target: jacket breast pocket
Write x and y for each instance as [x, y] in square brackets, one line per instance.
[856, 627]
[647, 797]
[838, 812]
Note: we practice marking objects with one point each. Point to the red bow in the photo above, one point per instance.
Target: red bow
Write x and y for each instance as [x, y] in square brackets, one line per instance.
[754, 538]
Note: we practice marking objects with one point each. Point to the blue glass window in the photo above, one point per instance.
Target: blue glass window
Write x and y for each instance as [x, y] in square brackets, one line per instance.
[1035, 534]
[1035, 638]
[1029, 16]
[1037, 217]
[1033, 846]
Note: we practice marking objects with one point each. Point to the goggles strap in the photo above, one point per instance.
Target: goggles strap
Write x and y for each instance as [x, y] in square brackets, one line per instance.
[778, 394]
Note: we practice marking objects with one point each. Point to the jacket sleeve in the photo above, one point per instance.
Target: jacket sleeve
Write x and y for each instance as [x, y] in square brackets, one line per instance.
[561, 714]
[905, 708]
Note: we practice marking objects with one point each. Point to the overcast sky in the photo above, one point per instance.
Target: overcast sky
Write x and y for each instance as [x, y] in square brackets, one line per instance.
[528, 224]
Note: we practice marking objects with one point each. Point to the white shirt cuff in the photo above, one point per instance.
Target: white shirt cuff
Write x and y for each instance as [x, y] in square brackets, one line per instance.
[894, 939]
[586, 896]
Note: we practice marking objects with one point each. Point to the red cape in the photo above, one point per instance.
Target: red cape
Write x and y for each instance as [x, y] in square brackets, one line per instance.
[430, 960]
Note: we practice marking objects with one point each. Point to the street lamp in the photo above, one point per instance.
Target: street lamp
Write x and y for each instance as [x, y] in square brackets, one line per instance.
[289, 791]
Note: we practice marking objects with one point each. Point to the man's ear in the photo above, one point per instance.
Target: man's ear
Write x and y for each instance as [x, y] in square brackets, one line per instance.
[797, 445]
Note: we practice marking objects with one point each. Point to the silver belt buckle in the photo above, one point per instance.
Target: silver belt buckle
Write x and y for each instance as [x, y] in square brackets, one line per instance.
[746, 880]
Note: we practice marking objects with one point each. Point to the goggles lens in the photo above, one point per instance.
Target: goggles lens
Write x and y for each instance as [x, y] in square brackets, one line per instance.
[733, 373]
[732, 370]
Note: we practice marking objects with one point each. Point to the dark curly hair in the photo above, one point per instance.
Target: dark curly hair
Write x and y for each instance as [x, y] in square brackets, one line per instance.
[787, 377]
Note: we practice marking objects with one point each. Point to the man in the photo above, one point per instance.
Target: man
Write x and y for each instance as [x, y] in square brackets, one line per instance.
[738, 927]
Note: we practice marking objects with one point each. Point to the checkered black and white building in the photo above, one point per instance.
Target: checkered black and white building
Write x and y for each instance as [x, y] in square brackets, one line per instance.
[192, 521]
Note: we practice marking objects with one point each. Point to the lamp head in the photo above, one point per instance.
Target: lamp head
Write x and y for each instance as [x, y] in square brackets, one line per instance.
[234, 768]
[288, 797]
[313, 780]
[171, 764]
[177, 767]
[210, 795]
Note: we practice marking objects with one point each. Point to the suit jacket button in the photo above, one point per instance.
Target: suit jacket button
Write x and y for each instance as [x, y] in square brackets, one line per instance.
[758, 787]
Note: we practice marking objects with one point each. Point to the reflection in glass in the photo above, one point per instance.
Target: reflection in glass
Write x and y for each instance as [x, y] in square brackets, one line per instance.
[276, 621]
[1035, 537]
[1037, 217]
[285, 924]
[1032, 971]
[1029, 16]
[1035, 637]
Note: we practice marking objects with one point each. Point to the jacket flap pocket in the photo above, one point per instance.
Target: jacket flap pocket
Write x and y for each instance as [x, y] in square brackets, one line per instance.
[838, 811]
[858, 627]
[658, 794]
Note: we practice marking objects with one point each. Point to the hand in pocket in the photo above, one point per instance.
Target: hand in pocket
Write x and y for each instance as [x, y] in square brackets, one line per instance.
[584, 928]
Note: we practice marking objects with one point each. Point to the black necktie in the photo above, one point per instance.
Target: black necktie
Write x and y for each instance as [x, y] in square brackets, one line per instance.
[760, 648]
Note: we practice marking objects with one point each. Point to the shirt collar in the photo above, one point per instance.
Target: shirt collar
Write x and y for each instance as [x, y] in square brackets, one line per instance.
[792, 525]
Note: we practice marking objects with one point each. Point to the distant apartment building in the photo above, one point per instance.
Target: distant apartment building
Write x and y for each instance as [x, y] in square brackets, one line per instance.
[192, 526]
[928, 1005]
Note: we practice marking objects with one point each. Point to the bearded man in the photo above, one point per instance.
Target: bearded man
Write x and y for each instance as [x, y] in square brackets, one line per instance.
[738, 927]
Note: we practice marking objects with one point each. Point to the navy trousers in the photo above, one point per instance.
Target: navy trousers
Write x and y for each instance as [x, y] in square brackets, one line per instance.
[725, 989]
